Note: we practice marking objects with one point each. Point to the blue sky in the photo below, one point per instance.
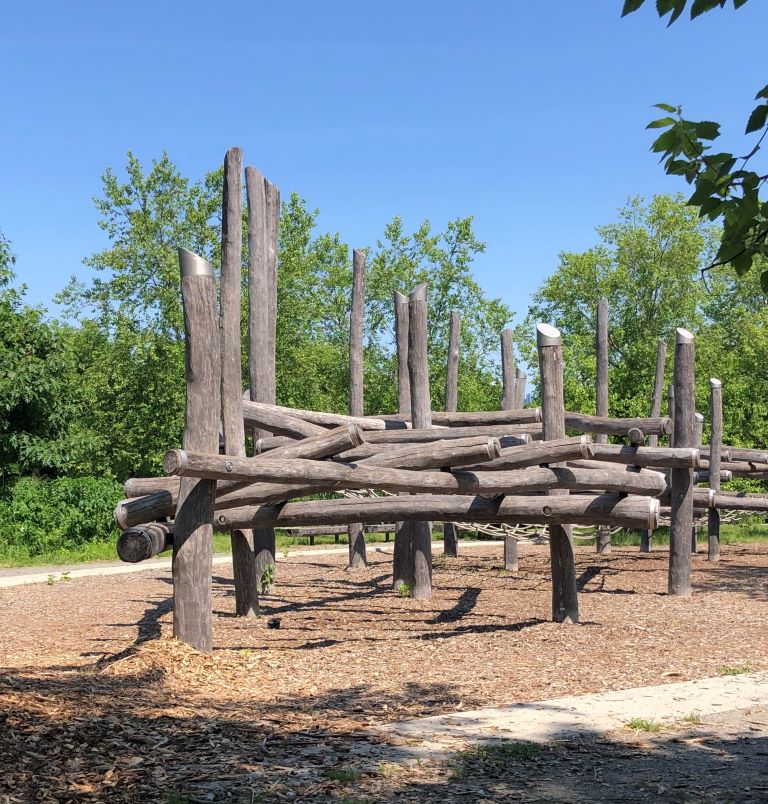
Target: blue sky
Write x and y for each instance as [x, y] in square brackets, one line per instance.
[528, 115]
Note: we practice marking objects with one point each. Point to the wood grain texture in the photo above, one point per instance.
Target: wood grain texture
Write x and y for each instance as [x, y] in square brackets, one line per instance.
[519, 389]
[565, 602]
[603, 534]
[715, 450]
[507, 369]
[681, 480]
[452, 367]
[193, 525]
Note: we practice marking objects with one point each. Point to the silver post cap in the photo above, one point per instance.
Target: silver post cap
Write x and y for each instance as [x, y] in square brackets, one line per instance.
[547, 335]
[715, 383]
[683, 335]
[419, 293]
[193, 265]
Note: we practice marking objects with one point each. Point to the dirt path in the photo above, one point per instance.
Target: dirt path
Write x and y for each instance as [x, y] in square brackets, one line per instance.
[96, 703]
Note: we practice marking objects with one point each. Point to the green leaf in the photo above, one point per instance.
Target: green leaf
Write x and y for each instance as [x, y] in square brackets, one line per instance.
[757, 118]
[630, 6]
[666, 142]
[700, 6]
[742, 262]
[764, 281]
[678, 10]
[665, 107]
[662, 122]
[706, 129]
[710, 206]
[763, 93]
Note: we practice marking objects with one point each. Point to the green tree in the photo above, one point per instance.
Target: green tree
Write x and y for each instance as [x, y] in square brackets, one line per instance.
[726, 187]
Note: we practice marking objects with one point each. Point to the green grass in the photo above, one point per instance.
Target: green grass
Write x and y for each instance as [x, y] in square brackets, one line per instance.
[482, 758]
[345, 774]
[641, 724]
[737, 670]
[694, 718]
[751, 530]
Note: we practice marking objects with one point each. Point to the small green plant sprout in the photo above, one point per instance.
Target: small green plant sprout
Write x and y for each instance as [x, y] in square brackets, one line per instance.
[344, 774]
[65, 576]
[694, 718]
[404, 589]
[738, 670]
[641, 724]
[267, 577]
[51, 579]
[483, 758]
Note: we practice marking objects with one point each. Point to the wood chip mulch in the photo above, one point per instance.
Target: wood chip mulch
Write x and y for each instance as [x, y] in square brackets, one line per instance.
[98, 703]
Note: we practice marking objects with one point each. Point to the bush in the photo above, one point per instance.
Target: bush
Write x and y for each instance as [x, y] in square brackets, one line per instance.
[40, 516]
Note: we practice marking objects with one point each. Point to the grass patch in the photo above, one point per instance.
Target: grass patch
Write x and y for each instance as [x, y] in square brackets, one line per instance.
[737, 670]
[750, 531]
[345, 774]
[694, 718]
[641, 724]
[482, 758]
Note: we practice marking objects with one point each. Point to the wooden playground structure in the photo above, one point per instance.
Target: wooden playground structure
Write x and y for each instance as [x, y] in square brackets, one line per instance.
[500, 471]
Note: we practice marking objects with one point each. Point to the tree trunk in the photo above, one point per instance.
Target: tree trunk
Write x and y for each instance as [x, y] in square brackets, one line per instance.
[716, 439]
[603, 535]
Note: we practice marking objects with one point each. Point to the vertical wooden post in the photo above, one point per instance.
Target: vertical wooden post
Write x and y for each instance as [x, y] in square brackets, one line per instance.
[263, 225]
[355, 530]
[508, 395]
[519, 402]
[646, 535]
[401, 547]
[193, 526]
[681, 480]
[603, 534]
[715, 449]
[698, 427]
[243, 556]
[450, 530]
[565, 601]
[671, 411]
[452, 369]
[420, 533]
[507, 370]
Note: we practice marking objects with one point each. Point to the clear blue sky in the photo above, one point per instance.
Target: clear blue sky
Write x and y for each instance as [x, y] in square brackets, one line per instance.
[530, 115]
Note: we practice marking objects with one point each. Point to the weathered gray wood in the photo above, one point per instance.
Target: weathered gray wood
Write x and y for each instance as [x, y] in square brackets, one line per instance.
[671, 407]
[355, 532]
[438, 454]
[480, 418]
[452, 369]
[603, 534]
[740, 501]
[330, 420]
[193, 526]
[635, 436]
[519, 432]
[143, 542]
[507, 369]
[400, 560]
[698, 424]
[450, 539]
[540, 452]
[681, 480]
[271, 420]
[511, 563]
[243, 555]
[337, 476]
[716, 443]
[658, 387]
[419, 532]
[565, 602]
[520, 378]
[731, 454]
[262, 302]
[619, 427]
[703, 476]
[586, 509]
[652, 457]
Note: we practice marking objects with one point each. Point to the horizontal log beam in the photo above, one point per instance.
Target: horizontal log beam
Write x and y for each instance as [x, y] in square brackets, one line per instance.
[650, 457]
[539, 452]
[604, 509]
[738, 454]
[657, 426]
[521, 432]
[142, 542]
[323, 419]
[265, 417]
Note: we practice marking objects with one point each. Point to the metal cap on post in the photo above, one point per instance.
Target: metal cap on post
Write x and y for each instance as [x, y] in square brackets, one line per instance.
[419, 293]
[683, 336]
[547, 335]
[192, 264]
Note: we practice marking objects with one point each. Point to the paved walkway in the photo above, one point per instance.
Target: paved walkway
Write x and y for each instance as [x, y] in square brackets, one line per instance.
[579, 715]
[18, 576]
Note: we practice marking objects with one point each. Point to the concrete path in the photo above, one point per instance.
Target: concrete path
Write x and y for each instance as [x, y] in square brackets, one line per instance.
[578, 715]
[18, 576]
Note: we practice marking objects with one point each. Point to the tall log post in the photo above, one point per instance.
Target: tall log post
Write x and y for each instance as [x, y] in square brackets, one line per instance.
[698, 428]
[519, 402]
[603, 534]
[420, 533]
[508, 394]
[243, 555]
[355, 531]
[450, 530]
[193, 526]
[401, 546]
[658, 391]
[263, 220]
[715, 453]
[507, 370]
[671, 412]
[681, 480]
[565, 601]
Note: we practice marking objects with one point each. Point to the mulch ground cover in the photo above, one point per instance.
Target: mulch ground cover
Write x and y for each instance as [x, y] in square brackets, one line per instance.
[97, 703]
